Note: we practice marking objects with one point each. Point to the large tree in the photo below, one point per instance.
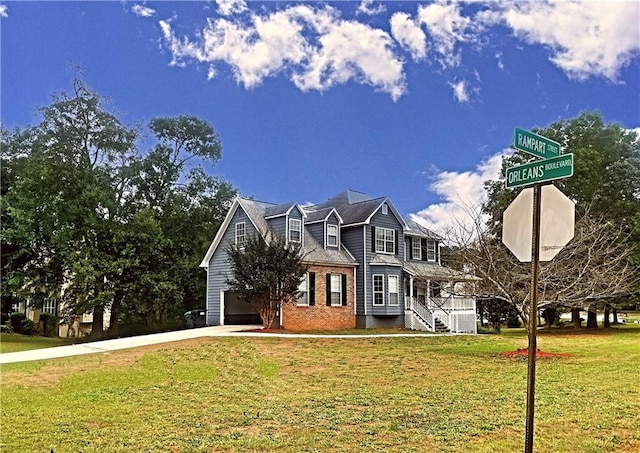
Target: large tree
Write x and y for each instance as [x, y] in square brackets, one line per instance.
[266, 273]
[84, 210]
[600, 264]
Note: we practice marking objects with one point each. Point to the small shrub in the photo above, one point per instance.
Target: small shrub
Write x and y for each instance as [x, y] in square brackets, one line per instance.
[49, 324]
[16, 320]
[6, 328]
[28, 327]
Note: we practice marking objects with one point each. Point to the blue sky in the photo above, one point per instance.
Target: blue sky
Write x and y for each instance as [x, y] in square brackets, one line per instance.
[413, 100]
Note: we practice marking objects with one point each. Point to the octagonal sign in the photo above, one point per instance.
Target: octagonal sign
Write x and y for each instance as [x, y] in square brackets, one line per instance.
[557, 222]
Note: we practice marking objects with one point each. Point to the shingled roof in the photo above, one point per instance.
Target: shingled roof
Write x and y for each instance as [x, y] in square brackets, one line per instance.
[356, 207]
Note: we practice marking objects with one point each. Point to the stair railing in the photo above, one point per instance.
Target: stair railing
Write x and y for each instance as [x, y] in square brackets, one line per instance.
[422, 311]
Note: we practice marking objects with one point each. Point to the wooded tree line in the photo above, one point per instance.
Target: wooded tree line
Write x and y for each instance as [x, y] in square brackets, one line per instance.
[599, 268]
[102, 215]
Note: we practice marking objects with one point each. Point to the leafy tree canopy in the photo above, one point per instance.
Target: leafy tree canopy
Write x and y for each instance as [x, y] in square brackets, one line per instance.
[89, 218]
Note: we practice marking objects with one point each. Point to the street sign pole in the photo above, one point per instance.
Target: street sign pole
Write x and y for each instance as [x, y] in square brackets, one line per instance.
[533, 318]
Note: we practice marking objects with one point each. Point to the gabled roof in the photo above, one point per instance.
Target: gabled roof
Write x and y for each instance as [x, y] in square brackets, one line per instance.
[256, 211]
[358, 208]
[315, 253]
[415, 229]
[281, 209]
[436, 271]
[320, 215]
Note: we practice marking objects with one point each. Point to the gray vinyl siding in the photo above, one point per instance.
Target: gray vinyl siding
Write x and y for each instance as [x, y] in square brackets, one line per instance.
[279, 225]
[386, 309]
[353, 241]
[317, 231]
[424, 256]
[380, 220]
[218, 270]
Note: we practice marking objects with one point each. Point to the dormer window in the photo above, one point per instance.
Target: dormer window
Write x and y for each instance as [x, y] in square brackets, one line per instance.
[385, 209]
[295, 230]
[332, 235]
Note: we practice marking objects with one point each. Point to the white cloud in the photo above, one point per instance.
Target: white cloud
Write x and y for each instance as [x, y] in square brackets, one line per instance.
[229, 7]
[585, 38]
[317, 49]
[460, 91]
[462, 193]
[409, 35]
[3, 11]
[447, 27]
[367, 7]
[143, 11]
[349, 50]
[500, 63]
[331, 51]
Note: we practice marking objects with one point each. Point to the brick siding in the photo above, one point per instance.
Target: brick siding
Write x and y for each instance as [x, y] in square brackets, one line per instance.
[320, 316]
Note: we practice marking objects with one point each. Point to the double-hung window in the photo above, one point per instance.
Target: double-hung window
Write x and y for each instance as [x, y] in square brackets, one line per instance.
[303, 289]
[385, 240]
[240, 234]
[49, 306]
[393, 290]
[335, 289]
[295, 230]
[431, 250]
[332, 235]
[416, 248]
[378, 290]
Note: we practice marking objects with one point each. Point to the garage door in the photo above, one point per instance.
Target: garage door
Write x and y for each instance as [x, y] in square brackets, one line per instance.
[238, 312]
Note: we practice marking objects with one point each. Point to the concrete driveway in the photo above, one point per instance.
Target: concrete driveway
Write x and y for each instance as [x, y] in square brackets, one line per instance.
[121, 343]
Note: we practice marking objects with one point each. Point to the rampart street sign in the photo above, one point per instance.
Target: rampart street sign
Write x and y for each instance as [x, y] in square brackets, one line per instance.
[535, 144]
[540, 171]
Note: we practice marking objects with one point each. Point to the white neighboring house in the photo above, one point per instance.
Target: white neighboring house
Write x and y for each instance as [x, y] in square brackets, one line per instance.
[80, 327]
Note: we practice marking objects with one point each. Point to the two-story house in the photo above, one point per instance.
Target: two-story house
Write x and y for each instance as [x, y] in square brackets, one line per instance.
[367, 267]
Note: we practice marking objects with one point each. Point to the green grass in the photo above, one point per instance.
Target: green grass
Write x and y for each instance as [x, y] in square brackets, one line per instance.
[12, 342]
[438, 394]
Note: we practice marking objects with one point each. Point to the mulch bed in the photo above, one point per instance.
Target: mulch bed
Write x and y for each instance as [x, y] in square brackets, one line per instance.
[267, 330]
[524, 352]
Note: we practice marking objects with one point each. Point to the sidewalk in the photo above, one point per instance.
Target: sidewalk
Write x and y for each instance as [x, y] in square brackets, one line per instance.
[120, 343]
[167, 337]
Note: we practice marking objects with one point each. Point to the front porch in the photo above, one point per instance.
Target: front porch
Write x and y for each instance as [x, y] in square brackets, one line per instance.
[439, 299]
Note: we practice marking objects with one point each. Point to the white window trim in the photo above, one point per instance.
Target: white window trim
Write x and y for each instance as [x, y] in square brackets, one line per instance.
[49, 306]
[244, 234]
[332, 235]
[303, 288]
[298, 228]
[435, 250]
[385, 209]
[333, 278]
[386, 241]
[374, 291]
[397, 292]
[414, 241]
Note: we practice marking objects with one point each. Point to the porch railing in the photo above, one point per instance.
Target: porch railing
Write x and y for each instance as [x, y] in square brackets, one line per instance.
[452, 303]
[422, 311]
[459, 314]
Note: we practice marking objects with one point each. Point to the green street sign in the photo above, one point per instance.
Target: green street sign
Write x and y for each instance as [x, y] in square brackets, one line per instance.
[535, 144]
[540, 171]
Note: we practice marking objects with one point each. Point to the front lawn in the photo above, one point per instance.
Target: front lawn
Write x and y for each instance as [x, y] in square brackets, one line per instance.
[12, 342]
[435, 394]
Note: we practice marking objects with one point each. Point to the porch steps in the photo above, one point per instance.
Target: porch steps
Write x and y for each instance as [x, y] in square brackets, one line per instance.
[441, 327]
